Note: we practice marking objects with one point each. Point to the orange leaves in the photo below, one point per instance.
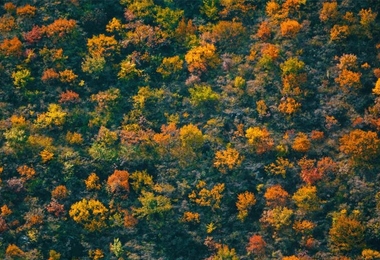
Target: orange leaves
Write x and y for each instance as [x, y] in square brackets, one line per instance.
[290, 28]
[12, 47]
[92, 182]
[26, 10]
[26, 171]
[245, 201]
[60, 192]
[46, 155]
[264, 32]
[259, 139]
[329, 11]
[69, 96]
[207, 197]
[361, 146]
[276, 196]
[339, 32]
[301, 143]
[49, 75]
[60, 28]
[7, 23]
[118, 182]
[14, 251]
[256, 245]
[227, 159]
[201, 57]
[289, 106]
[190, 217]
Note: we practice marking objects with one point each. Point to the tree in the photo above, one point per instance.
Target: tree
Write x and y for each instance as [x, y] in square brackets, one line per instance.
[245, 201]
[346, 234]
[92, 214]
[259, 139]
[276, 196]
[152, 205]
[202, 57]
[256, 245]
[118, 182]
[361, 146]
[306, 198]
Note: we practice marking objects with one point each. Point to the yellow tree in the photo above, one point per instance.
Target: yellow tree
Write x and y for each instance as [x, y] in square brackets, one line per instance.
[92, 214]
[259, 139]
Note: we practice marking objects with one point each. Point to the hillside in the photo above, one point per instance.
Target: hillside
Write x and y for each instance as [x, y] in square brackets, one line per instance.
[173, 129]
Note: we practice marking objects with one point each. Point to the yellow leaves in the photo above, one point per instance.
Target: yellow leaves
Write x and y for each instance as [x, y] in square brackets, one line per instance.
[190, 217]
[306, 198]
[261, 107]
[210, 227]
[54, 116]
[67, 76]
[74, 138]
[152, 205]
[141, 179]
[54, 255]
[170, 65]
[96, 254]
[290, 28]
[92, 182]
[207, 197]
[259, 139]
[46, 155]
[245, 201]
[278, 217]
[227, 159]
[89, 213]
[128, 70]
[279, 167]
[101, 45]
[114, 25]
[201, 57]
[191, 136]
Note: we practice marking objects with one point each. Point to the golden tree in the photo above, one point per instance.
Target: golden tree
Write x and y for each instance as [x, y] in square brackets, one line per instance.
[245, 201]
[276, 196]
[92, 214]
[259, 139]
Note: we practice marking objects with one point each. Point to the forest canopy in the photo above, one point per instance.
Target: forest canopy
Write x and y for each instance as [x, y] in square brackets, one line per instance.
[204, 129]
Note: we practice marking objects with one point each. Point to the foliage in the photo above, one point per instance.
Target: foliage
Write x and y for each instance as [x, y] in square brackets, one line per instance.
[243, 129]
[89, 213]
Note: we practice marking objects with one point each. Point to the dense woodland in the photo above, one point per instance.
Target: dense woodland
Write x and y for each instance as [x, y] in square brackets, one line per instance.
[202, 129]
